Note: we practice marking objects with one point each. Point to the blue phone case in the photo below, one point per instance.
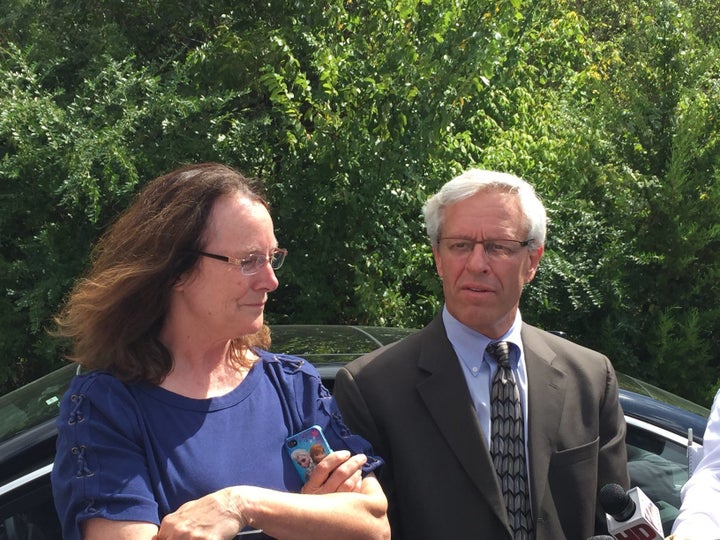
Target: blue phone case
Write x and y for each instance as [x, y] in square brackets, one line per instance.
[306, 449]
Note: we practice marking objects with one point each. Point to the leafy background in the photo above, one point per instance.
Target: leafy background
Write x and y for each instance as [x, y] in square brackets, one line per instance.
[354, 113]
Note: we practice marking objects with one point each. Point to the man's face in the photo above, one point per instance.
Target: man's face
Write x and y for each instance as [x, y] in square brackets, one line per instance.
[480, 291]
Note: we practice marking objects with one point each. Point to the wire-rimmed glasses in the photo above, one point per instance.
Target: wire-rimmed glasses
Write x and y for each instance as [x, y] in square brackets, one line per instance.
[252, 262]
[494, 249]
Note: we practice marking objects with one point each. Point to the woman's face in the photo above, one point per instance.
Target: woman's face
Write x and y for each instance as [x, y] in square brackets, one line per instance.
[215, 299]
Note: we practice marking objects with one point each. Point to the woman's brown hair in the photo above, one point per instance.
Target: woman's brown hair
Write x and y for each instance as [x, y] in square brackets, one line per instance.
[113, 314]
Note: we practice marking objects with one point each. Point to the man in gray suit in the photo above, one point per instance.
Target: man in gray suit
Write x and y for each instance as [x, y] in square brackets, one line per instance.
[426, 402]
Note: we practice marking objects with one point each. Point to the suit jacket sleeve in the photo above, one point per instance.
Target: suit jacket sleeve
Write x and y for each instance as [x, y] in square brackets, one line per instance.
[612, 462]
[358, 418]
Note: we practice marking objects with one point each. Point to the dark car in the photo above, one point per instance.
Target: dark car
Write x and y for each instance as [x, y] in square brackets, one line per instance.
[657, 439]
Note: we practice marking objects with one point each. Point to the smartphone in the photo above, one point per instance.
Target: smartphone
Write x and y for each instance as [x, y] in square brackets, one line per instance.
[306, 449]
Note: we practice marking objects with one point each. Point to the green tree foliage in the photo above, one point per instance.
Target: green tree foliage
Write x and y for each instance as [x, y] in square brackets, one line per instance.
[353, 113]
[657, 108]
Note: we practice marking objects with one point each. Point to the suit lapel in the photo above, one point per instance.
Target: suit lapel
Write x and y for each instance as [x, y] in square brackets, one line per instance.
[447, 398]
[546, 398]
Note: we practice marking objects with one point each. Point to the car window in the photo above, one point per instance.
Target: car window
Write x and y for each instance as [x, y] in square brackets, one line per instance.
[645, 389]
[657, 463]
[33, 403]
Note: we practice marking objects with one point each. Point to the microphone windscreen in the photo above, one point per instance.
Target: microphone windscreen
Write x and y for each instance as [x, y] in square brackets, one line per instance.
[614, 499]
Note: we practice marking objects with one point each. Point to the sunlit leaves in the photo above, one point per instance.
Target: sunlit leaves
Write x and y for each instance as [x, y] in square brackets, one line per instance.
[354, 113]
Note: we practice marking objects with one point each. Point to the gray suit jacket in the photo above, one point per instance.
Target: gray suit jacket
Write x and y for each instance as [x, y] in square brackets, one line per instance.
[411, 401]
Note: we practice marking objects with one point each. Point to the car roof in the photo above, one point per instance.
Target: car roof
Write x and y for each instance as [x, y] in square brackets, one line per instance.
[37, 401]
[328, 347]
[653, 404]
[671, 417]
[332, 344]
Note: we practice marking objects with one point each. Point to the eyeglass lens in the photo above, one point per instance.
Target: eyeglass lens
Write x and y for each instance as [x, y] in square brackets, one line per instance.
[255, 261]
[492, 248]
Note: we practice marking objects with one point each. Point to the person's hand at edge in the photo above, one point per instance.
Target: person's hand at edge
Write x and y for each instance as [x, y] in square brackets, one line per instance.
[338, 472]
[213, 516]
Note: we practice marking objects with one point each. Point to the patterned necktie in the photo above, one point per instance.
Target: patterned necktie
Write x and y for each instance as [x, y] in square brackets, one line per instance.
[507, 442]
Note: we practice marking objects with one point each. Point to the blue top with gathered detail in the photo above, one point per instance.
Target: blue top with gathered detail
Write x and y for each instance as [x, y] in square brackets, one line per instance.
[136, 452]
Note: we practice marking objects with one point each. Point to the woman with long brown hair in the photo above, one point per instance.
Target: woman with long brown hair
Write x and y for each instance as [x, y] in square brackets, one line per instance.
[176, 426]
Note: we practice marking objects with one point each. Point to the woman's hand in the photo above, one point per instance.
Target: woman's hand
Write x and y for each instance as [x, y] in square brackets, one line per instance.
[215, 516]
[221, 515]
[338, 472]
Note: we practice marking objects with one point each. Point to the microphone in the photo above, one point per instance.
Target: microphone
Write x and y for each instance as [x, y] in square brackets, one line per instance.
[631, 515]
[601, 537]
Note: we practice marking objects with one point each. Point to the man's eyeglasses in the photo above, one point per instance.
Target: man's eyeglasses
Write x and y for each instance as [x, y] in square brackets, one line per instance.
[253, 262]
[494, 249]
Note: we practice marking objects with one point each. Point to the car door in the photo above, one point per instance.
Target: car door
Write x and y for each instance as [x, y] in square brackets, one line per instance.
[658, 465]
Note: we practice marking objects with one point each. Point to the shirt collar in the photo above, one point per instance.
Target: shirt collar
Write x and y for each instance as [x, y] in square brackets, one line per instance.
[467, 342]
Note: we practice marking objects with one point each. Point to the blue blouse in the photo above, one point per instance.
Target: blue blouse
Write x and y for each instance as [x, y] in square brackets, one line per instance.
[136, 452]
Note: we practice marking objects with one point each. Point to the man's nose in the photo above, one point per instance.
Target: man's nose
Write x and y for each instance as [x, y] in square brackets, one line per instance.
[478, 258]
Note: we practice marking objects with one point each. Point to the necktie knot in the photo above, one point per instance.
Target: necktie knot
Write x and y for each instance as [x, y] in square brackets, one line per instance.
[500, 352]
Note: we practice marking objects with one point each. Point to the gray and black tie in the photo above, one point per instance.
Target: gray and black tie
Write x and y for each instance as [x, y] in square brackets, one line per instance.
[507, 442]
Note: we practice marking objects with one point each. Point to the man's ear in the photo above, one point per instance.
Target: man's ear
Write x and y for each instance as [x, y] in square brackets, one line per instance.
[535, 256]
[438, 260]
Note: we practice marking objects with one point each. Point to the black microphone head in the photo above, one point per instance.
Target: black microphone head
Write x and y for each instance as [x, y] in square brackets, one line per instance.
[616, 502]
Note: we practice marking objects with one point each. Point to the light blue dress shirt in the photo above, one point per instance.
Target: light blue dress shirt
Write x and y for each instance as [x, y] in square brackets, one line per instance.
[479, 368]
